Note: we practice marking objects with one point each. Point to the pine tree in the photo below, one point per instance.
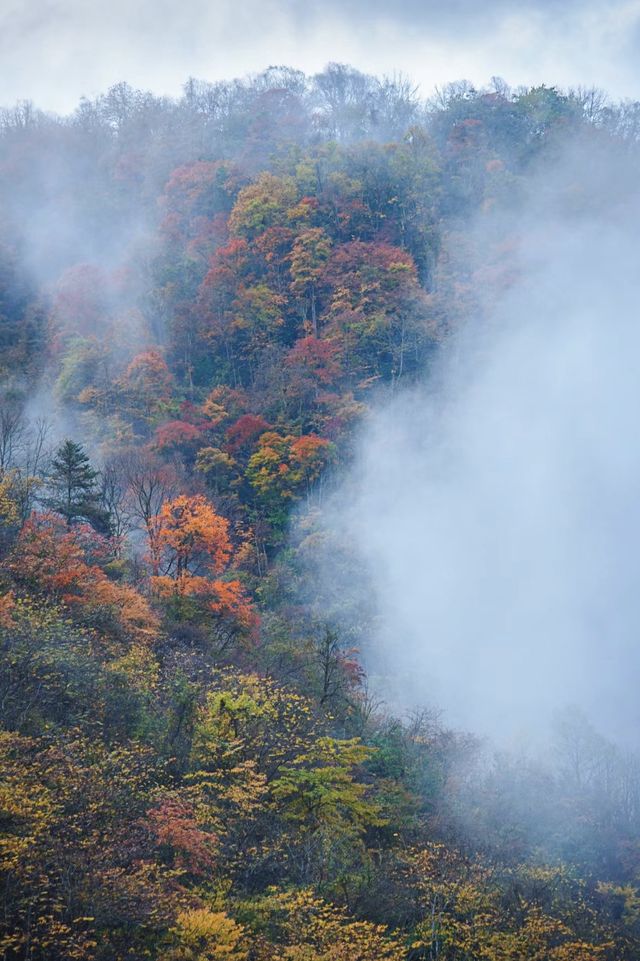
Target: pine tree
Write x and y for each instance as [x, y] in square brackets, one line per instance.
[73, 487]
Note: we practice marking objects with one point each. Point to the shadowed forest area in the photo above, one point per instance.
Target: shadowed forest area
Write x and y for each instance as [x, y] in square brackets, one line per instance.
[201, 303]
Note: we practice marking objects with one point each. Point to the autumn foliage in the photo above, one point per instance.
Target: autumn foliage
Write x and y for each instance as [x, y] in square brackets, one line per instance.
[193, 762]
[68, 565]
[195, 549]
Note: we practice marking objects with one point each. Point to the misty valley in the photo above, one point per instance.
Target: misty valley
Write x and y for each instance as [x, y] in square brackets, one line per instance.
[318, 523]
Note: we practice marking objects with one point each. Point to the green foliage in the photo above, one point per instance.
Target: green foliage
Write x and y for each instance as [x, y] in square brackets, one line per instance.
[318, 789]
[72, 487]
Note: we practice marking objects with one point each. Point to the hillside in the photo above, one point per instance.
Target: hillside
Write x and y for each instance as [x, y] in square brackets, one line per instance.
[201, 303]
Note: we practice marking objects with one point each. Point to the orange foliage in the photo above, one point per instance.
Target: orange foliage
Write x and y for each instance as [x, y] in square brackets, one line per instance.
[193, 536]
[60, 562]
[195, 547]
[183, 585]
[52, 558]
[7, 603]
[231, 601]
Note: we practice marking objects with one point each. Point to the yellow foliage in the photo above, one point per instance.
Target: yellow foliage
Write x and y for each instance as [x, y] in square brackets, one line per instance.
[314, 930]
[9, 513]
[205, 935]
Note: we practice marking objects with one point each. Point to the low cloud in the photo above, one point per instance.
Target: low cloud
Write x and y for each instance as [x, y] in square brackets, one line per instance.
[496, 508]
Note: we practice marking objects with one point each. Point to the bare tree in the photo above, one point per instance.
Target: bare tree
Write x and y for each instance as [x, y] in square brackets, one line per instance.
[115, 501]
[13, 430]
[148, 483]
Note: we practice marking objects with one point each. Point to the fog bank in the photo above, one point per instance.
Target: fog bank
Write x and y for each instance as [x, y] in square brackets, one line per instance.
[498, 513]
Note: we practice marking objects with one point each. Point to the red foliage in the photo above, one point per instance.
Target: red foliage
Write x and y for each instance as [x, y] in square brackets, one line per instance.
[191, 414]
[273, 245]
[227, 264]
[55, 559]
[368, 275]
[314, 359]
[177, 435]
[63, 563]
[173, 825]
[195, 201]
[245, 430]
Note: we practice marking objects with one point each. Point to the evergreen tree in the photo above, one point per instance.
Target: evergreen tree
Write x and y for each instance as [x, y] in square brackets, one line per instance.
[73, 487]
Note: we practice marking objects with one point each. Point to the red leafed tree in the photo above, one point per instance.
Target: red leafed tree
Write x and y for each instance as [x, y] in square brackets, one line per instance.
[180, 837]
[177, 435]
[63, 564]
[315, 359]
[245, 430]
[368, 277]
[196, 199]
[312, 366]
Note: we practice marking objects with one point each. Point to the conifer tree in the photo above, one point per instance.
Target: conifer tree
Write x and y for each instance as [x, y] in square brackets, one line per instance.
[73, 487]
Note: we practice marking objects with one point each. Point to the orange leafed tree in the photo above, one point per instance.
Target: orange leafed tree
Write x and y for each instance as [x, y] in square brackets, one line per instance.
[195, 550]
[147, 383]
[194, 537]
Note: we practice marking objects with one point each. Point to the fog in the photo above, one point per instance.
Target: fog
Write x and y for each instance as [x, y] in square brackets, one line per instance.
[496, 506]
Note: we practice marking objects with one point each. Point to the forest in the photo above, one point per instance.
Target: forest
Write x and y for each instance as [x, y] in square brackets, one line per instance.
[201, 302]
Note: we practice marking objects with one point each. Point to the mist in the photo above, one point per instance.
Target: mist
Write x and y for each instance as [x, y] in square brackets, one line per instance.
[495, 506]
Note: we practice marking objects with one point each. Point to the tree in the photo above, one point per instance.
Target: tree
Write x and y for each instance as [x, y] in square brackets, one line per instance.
[262, 204]
[193, 551]
[195, 197]
[318, 789]
[307, 928]
[244, 432]
[251, 718]
[376, 309]
[73, 488]
[149, 484]
[217, 466]
[147, 384]
[205, 935]
[308, 258]
[66, 565]
[284, 468]
[194, 538]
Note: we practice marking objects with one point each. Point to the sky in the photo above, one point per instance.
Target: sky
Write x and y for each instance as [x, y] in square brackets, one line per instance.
[55, 51]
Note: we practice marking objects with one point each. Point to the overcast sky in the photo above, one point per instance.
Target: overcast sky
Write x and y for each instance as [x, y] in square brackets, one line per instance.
[55, 51]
